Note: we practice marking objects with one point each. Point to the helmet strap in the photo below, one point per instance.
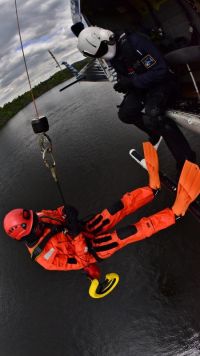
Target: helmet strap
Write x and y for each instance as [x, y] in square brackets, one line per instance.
[33, 237]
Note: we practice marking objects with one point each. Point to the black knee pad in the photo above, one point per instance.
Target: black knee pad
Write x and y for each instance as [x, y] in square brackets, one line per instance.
[105, 247]
[126, 231]
[95, 222]
[115, 207]
[100, 240]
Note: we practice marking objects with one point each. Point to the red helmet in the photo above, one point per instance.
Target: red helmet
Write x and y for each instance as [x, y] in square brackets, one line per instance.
[18, 223]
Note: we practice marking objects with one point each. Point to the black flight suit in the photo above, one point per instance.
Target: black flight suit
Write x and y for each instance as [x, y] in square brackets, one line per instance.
[144, 77]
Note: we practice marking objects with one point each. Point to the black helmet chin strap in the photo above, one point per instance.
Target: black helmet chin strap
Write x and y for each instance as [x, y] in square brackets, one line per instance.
[32, 238]
[39, 247]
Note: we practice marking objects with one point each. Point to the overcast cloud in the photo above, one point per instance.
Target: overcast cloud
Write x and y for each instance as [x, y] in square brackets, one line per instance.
[44, 25]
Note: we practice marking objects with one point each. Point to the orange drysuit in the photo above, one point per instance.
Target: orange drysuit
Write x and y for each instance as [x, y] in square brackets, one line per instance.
[95, 242]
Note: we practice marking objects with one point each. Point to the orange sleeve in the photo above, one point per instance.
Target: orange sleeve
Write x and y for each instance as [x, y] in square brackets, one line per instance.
[93, 271]
[56, 214]
[129, 203]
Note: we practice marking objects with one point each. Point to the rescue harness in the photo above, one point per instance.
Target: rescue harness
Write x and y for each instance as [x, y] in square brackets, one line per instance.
[40, 247]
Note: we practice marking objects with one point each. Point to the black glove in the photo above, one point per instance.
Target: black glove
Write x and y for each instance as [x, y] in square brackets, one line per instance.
[123, 85]
[73, 224]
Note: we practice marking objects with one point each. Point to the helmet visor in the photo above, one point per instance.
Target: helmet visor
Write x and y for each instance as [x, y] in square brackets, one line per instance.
[103, 48]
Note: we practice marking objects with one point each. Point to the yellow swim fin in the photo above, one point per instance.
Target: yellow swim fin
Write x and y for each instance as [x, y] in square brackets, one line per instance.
[152, 163]
[100, 290]
[188, 188]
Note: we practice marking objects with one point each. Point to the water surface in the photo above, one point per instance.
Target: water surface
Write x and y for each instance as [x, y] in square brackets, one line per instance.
[155, 309]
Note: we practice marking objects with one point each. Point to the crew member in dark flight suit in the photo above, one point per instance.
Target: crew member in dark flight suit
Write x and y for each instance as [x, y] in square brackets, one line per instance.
[145, 79]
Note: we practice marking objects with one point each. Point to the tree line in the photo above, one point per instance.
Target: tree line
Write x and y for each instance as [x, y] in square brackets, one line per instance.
[10, 109]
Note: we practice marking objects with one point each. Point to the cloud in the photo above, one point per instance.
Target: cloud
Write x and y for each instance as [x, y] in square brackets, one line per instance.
[44, 25]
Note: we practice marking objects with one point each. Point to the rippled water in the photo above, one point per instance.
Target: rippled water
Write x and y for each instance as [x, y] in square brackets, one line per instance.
[155, 309]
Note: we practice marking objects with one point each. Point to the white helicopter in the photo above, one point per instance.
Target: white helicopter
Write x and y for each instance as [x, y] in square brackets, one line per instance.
[173, 25]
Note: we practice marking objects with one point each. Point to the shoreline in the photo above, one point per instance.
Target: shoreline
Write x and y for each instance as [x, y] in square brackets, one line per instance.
[10, 109]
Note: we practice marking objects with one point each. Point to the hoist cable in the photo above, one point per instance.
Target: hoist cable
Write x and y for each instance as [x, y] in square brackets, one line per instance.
[27, 73]
[41, 125]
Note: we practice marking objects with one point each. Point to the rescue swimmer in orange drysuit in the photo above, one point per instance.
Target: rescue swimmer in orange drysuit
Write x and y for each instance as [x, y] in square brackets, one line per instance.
[57, 240]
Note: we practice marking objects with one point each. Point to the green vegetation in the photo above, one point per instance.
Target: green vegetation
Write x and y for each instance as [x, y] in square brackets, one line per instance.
[12, 108]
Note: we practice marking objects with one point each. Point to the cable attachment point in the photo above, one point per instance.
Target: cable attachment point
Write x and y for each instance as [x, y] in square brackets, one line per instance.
[47, 155]
[40, 124]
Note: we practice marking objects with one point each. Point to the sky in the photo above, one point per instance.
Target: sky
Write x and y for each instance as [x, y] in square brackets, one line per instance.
[45, 25]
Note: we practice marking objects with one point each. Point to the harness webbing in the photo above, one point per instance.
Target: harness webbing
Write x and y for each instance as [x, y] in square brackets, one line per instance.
[40, 247]
[92, 250]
